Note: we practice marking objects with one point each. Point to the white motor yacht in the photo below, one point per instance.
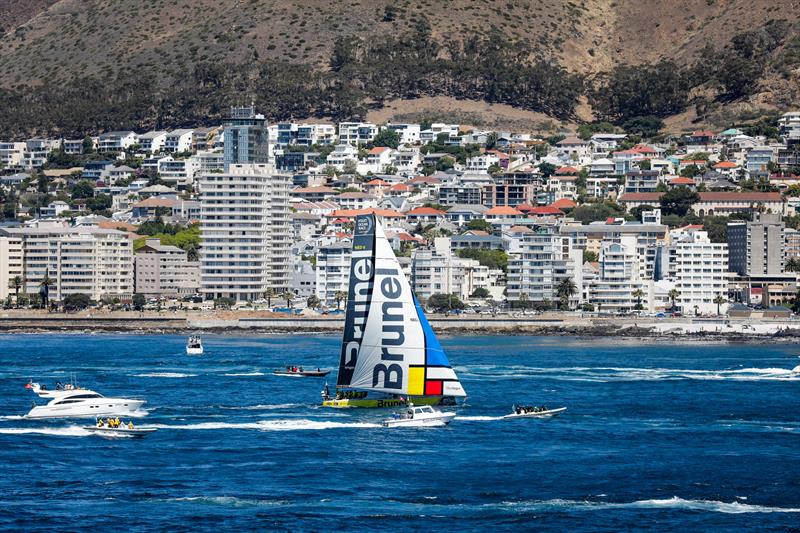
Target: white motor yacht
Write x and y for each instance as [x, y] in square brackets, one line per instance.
[79, 403]
[194, 346]
[419, 416]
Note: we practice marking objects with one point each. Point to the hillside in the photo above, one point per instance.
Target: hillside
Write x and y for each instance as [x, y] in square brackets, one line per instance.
[71, 65]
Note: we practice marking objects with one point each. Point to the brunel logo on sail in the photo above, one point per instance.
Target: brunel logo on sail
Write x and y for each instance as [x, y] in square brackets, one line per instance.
[361, 269]
[391, 373]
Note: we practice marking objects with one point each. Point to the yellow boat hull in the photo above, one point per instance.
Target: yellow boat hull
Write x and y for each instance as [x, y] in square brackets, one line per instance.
[344, 403]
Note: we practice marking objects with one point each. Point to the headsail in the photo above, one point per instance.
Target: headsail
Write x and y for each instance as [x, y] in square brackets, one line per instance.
[388, 344]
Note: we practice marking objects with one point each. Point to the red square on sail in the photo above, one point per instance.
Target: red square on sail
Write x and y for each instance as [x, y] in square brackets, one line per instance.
[433, 388]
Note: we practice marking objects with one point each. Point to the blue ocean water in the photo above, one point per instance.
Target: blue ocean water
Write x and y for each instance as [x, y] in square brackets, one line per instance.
[658, 436]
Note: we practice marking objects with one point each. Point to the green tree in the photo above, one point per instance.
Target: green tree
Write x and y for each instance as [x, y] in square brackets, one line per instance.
[139, 301]
[77, 302]
[719, 300]
[646, 126]
[678, 201]
[480, 292]
[565, 290]
[673, 295]
[589, 256]
[497, 259]
[16, 283]
[44, 290]
[480, 224]
[224, 302]
[387, 137]
[638, 293]
[547, 169]
[445, 302]
[269, 294]
[289, 296]
[312, 301]
[339, 296]
[88, 145]
[83, 189]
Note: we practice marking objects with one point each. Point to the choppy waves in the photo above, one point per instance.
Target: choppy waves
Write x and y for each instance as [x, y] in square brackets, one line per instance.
[674, 503]
[607, 374]
[271, 425]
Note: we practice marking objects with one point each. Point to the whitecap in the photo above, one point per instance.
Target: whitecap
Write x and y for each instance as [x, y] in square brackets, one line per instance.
[711, 506]
[164, 375]
[229, 501]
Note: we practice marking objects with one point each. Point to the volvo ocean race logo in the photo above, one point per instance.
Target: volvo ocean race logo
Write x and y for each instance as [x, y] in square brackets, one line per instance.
[392, 318]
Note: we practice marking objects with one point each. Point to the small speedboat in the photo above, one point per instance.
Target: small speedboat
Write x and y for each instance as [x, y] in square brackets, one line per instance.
[295, 371]
[122, 431]
[419, 416]
[796, 370]
[541, 412]
[194, 346]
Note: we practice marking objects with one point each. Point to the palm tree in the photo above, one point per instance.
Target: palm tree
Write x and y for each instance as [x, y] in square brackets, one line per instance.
[523, 300]
[312, 301]
[16, 283]
[719, 300]
[339, 296]
[269, 294]
[565, 290]
[44, 289]
[638, 293]
[289, 297]
[673, 295]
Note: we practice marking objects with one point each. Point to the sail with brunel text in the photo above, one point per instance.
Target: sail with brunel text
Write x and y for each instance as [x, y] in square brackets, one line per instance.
[388, 344]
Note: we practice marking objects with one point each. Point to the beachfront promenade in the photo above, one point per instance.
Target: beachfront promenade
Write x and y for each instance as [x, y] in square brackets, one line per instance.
[545, 324]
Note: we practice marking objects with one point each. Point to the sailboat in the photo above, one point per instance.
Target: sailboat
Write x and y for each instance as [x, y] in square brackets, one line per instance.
[390, 355]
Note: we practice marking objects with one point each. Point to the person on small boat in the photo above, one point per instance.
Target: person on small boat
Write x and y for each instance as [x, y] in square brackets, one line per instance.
[130, 424]
[100, 423]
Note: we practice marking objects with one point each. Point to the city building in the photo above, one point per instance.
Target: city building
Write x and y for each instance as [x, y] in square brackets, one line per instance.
[332, 272]
[246, 232]
[545, 259]
[89, 260]
[246, 137]
[757, 248]
[615, 289]
[165, 271]
[11, 264]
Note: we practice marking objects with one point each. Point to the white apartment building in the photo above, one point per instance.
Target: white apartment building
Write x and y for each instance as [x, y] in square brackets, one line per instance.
[614, 288]
[178, 141]
[357, 132]
[437, 128]
[11, 264]
[311, 134]
[152, 141]
[246, 232]
[545, 259]
[409, 133]
[435, 270]
[332, 272]
[88, 260]
[341, 155]
[165, 271]
[699, 269]
[482, 162]
[205, 162]
[116, 141]
[377, 161]
[179, 172]
[37, 150]
[11, 154]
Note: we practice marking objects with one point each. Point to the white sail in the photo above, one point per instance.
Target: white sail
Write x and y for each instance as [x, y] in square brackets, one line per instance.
[397, 351]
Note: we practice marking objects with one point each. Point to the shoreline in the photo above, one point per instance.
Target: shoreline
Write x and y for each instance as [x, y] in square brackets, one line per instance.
[721, 329]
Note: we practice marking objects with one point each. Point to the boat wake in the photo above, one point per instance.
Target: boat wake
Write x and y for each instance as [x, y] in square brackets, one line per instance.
[609, 374]
[675, 502]
[244, 374]
[478, 418]
[12, 417]
[164, 375]
[69, 431]
[271, 425]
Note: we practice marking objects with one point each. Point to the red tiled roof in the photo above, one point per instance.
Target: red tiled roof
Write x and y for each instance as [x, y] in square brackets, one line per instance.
[378, 150]
[643, 149]
[524, 207]
[546, 210]
[567, 170]
[564, 203]
[682, 180]
[155, 201]
[640, 197]
[424, 179]
[503, 210]
[352, 213]
[426, 211]
[400, 187]
[726, 164]
[740, 197]
[376, 183]
[317, 189]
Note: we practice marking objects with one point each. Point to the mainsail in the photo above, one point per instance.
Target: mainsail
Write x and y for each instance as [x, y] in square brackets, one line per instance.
[388, 344]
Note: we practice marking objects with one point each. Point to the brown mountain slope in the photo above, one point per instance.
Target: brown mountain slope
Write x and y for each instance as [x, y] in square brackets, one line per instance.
[52, 42]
